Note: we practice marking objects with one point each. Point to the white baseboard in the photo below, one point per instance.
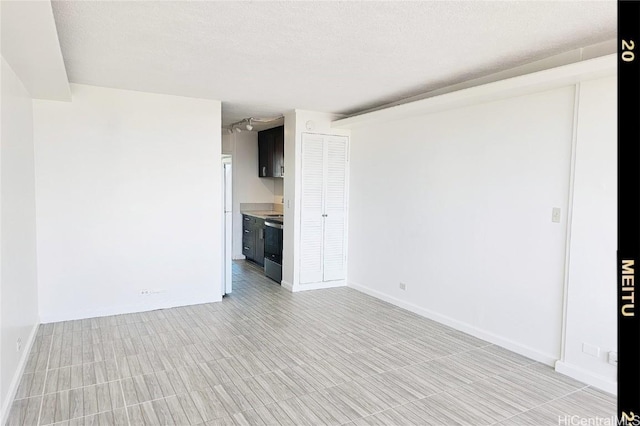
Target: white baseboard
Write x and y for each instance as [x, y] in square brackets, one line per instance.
[586, 377]
[287, 285]
[150, 305]
[462, 326]
[17, 376]
[313, 286]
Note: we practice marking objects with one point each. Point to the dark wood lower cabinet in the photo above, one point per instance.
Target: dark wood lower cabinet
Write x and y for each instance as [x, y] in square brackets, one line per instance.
[259, 253]
[253, 239]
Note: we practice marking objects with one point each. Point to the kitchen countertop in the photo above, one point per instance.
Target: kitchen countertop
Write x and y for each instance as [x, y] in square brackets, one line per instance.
[261, 214]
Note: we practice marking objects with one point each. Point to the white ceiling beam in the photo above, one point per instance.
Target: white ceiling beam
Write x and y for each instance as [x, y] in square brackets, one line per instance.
[29, 43]
[516, 86]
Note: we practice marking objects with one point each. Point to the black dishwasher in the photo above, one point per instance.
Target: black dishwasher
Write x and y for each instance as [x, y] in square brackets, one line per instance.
[273, 249]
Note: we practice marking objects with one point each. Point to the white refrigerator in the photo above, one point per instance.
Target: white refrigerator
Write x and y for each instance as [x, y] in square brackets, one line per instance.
[227, 225]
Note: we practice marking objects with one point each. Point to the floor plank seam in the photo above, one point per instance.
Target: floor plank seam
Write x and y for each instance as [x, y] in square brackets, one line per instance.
[545, 403]
[124, 401]
[46, 374]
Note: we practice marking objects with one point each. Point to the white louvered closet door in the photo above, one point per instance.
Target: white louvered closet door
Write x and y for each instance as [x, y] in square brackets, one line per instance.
[323, 213]
[312, 195]
[335, 202]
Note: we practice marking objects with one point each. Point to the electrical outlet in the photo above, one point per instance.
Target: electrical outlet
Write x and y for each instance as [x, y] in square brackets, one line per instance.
[555, 215]
[403, 286]
[591, 350]
[19, 344]
[147, 291]
[613, 358]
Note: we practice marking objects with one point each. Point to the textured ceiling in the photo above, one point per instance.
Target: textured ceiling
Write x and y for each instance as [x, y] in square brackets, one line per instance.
[263, 58]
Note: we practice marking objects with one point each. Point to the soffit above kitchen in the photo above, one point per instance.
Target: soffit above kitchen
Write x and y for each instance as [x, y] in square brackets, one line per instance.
[264, 58]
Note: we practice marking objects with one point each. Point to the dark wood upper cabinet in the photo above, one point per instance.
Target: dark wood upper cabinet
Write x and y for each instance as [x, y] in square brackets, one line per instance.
[278, 152]
[271, 152]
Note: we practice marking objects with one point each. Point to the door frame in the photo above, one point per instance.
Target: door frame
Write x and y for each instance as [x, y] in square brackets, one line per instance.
[227, 237]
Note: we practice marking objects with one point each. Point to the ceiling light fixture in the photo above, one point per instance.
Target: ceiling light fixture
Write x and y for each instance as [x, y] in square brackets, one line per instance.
[248, 123]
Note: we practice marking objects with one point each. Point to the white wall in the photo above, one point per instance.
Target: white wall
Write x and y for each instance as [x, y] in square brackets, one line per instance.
[457, 205]
[278, 190]
[248, 187]
[18, 278]
[128, 189]
[289, 233]
[591, 292]
[227, 143]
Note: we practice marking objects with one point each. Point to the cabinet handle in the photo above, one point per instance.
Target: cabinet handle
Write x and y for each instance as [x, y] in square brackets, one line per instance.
[246, 231]
[264, 170]
[246, 248]
[261, 234]
[325, 215]
[282, 170]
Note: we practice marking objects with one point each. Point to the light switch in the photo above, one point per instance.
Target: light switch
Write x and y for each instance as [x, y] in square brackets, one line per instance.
[555, 215]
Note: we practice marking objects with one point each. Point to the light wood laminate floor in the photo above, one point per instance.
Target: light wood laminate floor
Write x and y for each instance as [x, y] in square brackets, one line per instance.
[264, 356]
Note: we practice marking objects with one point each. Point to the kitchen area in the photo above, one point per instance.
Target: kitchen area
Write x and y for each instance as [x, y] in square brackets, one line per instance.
[309, 250]
[256, 206]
